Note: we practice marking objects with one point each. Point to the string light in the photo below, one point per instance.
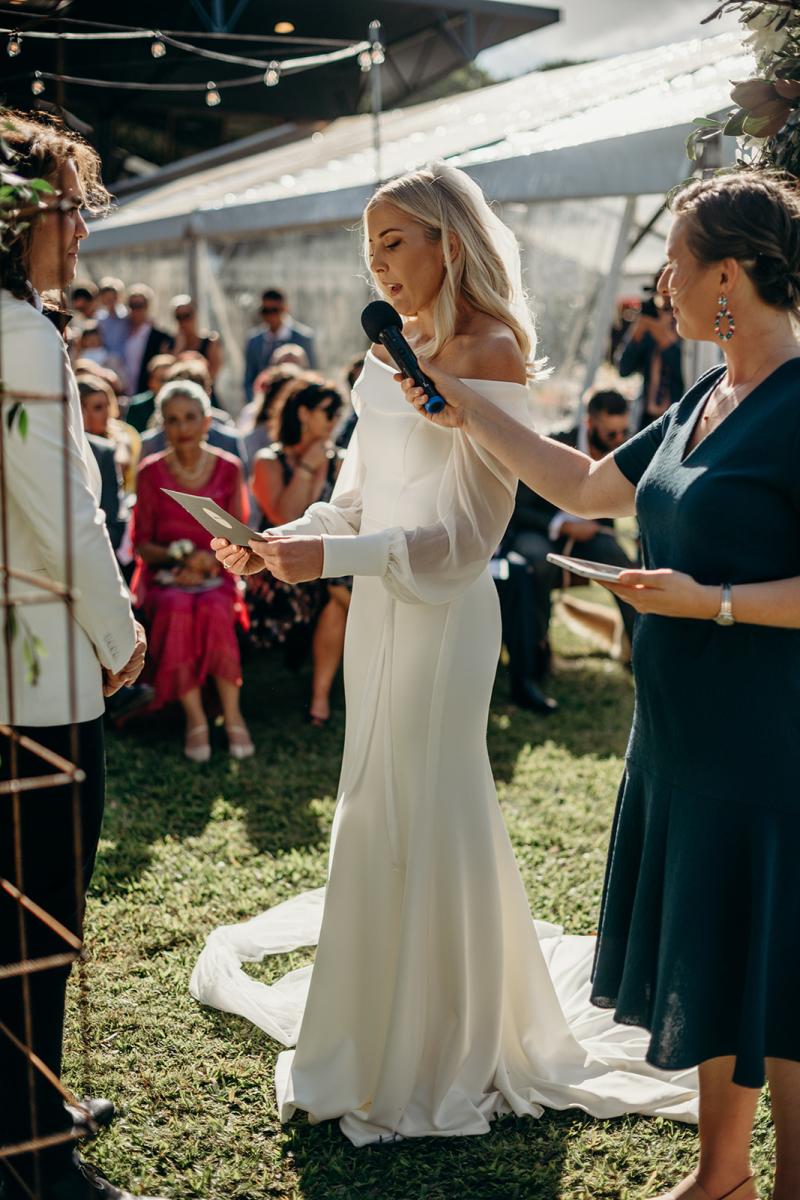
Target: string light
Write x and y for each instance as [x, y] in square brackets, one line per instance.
[37, 87]
[213, 97]
[284, 27]
[14, 46]
[272, 74]
[376, 50]
[157, 47]
[365, 60]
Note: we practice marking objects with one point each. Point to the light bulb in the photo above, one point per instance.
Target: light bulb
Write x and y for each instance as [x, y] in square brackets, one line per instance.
[37, 87]
[213, 97]
[272, 74]
[284, 27]
[377, 55]
[365, 61]
[157, 47]
[14, 46]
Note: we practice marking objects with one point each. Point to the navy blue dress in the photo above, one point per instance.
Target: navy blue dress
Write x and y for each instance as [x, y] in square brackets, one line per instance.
[699, 936]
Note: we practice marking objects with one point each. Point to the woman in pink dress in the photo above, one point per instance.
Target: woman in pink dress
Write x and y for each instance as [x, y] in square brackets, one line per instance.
[192, 607]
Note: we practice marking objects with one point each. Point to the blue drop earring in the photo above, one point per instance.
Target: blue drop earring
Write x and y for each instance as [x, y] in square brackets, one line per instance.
[724, 315]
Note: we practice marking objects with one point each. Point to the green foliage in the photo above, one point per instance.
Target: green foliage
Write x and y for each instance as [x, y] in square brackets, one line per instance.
[187, 848]
[766, 117]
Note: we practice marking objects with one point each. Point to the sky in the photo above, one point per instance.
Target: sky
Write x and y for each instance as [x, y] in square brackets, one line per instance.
[602, 28]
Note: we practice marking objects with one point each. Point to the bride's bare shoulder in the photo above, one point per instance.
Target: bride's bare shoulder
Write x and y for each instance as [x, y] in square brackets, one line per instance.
[488, 350]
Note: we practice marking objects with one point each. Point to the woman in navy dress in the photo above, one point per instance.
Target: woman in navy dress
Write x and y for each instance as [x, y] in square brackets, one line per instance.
[699, 936]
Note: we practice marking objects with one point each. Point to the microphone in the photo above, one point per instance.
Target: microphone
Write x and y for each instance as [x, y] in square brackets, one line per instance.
[382, 323]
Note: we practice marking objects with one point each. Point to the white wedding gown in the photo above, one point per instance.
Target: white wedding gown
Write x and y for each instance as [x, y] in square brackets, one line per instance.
[435, 1001]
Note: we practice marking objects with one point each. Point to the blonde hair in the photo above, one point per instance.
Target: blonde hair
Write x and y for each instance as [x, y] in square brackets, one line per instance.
[485, 270]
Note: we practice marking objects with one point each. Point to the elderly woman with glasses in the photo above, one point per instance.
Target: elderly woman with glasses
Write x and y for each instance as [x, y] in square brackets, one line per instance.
[192, 606]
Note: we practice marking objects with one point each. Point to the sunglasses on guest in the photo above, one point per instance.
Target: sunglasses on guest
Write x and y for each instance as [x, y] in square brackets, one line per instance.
[270, 310]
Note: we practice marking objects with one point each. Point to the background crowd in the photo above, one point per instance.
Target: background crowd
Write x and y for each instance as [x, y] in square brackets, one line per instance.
[155, 421]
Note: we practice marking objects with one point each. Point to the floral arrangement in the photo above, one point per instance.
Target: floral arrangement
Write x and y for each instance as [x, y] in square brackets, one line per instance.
[767, 112]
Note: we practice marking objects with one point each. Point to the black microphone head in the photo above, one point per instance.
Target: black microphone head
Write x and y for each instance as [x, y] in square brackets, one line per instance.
[378, 316]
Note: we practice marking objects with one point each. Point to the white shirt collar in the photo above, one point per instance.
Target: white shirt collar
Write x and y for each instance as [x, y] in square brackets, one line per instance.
[281, 333]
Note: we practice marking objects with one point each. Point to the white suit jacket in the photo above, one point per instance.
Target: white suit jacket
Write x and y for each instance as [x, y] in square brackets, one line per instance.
[38, 477]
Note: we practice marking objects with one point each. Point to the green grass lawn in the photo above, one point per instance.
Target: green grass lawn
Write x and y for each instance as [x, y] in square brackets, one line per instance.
[187, 848]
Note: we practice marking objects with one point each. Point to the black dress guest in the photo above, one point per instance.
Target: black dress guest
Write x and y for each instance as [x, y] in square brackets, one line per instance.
[698, 936]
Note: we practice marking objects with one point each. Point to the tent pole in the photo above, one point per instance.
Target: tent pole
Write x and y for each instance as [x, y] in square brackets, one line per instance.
[375, 35]
[605, 304]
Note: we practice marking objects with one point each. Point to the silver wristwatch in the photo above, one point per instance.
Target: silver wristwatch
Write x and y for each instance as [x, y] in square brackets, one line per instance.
[725, 615]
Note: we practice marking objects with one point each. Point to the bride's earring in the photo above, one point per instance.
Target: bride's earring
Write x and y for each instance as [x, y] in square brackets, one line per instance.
[724, 318]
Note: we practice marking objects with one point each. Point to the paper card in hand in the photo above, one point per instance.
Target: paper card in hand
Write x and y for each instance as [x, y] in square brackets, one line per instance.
[213, 518]
[602, 572]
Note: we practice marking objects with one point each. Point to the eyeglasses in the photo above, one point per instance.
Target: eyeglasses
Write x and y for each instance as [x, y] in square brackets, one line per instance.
[270, 312]
[137, 304]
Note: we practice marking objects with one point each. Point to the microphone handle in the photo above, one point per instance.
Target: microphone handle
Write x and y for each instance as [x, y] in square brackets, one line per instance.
[406, 360]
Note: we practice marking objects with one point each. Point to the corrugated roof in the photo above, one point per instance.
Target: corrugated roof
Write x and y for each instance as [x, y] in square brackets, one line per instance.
[613, 98]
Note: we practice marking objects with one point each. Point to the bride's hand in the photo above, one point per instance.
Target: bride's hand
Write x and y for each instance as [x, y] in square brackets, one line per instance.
[291, 558]
[237, 559]
[459, 398]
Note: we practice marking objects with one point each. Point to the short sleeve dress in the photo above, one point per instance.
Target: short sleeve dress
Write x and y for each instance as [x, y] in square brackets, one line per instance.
[699, 937]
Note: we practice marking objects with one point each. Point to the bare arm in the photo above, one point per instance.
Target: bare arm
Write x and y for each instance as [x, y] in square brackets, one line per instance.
[281, 503]
[565, 477]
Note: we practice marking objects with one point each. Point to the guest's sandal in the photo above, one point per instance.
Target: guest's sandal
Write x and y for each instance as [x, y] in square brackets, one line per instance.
[195, 747]
[240, 744]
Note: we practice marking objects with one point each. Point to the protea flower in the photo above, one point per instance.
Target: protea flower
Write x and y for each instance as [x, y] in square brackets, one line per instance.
[767, 104]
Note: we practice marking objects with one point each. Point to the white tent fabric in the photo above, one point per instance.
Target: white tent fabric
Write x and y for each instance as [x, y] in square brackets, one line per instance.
[565, 132]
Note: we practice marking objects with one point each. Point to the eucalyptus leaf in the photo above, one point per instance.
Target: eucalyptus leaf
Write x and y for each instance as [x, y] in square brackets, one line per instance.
[734, 126]
[23, 424]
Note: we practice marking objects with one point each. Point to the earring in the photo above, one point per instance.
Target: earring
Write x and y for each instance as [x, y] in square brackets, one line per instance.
[725, 315]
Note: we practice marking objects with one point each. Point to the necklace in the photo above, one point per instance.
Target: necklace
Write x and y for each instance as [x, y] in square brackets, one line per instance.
[187, 474]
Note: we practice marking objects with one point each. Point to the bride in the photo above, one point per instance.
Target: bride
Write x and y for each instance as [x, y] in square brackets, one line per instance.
[435, 1001]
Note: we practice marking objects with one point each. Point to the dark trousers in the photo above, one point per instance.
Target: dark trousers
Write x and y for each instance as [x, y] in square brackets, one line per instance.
[518, 606]
[534, 548]
[49, 873]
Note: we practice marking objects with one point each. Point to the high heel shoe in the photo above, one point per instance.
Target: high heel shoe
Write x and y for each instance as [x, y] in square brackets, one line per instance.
[690, 1189]
[197, 751]
[241, 749]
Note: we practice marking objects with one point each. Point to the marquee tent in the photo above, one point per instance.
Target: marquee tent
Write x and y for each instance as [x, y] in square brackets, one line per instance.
[578, 159]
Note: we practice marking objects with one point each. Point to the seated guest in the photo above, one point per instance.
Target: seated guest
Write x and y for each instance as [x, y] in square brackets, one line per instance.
[143, 338]
[112, 497]
[101, 418]
[141, 407]
[278, 329]
[269, 392]
[221, 433]
[191, 337]
[537, 528]
[299, 469]
[290, 355]
[192, 606]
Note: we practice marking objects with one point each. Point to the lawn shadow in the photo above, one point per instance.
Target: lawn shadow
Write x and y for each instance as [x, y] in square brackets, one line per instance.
[519, 1159]
[285, 793]
[595, 699]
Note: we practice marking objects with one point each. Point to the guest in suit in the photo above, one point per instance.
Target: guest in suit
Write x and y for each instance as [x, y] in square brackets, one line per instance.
[141, 407]
[112, 314]
[112, 497]
[63, 659]
[278, 330]
[539, 528]
[143, 340]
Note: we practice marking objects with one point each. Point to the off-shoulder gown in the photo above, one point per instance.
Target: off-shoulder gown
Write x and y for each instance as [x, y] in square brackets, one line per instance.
[435, 1001]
